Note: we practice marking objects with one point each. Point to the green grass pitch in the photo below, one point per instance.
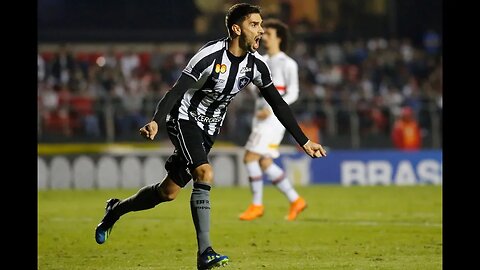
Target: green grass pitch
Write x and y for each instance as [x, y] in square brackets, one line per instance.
[359, 227]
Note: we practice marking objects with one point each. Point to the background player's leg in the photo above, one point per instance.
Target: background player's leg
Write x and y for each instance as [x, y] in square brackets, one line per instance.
[255, 180]
[280, 180]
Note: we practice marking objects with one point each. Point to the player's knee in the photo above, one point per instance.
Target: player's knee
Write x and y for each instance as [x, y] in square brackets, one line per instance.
[265, 163]
[167, 195]
[168, 190]
[250, 157]
[204, 173]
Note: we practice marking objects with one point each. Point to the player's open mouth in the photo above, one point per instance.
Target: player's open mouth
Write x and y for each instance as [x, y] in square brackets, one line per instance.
[257, 42]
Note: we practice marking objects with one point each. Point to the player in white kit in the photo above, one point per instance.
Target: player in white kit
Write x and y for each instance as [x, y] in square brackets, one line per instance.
[267, 132]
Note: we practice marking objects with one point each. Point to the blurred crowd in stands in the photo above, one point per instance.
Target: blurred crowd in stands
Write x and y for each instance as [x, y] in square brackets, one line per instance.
[349, 88]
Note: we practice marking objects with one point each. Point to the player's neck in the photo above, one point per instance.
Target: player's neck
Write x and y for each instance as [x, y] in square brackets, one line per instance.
[235, 49]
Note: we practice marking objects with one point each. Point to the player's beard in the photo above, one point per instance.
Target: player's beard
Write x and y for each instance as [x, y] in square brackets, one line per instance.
[253, 45]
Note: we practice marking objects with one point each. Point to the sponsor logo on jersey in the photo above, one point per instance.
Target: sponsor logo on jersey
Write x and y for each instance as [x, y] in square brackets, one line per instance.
[242, 82]
[245, 69]
[205, 119]
[218, 80]
[220, 68]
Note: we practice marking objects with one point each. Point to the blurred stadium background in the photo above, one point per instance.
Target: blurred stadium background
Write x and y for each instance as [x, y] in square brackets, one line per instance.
[102, 66]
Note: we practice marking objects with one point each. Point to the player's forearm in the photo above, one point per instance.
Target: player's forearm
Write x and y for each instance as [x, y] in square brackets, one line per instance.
[171, 97]
[284, 114]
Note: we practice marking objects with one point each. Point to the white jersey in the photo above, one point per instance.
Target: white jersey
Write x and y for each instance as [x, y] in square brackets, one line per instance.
[268, 133]
[284, 71]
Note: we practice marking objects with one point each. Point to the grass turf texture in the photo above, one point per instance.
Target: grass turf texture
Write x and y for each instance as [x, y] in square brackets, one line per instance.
[369, 227]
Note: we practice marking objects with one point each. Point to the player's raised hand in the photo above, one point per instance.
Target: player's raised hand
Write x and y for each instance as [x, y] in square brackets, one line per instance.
[314, 150]
[149, 130]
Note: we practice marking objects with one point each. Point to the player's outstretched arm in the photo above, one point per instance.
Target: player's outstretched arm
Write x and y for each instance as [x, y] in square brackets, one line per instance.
[285, 115]
[164, 106]
[314, 150]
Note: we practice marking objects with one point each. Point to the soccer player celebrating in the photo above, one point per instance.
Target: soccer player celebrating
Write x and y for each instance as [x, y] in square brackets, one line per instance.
[267, 131]
[194, 110]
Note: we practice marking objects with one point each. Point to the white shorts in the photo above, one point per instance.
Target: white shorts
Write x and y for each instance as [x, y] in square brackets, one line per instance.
[266, 137]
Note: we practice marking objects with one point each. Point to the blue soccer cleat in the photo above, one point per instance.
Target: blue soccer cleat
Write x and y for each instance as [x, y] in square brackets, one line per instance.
[104, 228]
[210, 259]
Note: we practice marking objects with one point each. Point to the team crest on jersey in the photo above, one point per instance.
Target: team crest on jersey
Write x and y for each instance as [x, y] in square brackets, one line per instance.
[220, 68]
[242, 82]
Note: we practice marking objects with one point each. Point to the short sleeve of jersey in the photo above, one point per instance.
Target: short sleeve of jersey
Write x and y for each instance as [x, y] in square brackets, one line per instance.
[262, 76]
[200, 61]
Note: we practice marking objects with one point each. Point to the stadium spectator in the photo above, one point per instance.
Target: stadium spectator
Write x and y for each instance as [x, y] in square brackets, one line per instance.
[194, 110]
[83, 113]
[130, 114]
[63, 65]
[111, 58]
[431, 42]
[406, 134]
[267, 132]
[55, 110]
[157, 58]
[129, 62]
[41, 68]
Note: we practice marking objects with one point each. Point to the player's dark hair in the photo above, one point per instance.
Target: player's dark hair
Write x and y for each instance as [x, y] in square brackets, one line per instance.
[237, 13]
[282, 31]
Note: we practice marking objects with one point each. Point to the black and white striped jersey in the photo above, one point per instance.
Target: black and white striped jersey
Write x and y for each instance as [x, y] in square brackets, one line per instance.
[219, 77]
